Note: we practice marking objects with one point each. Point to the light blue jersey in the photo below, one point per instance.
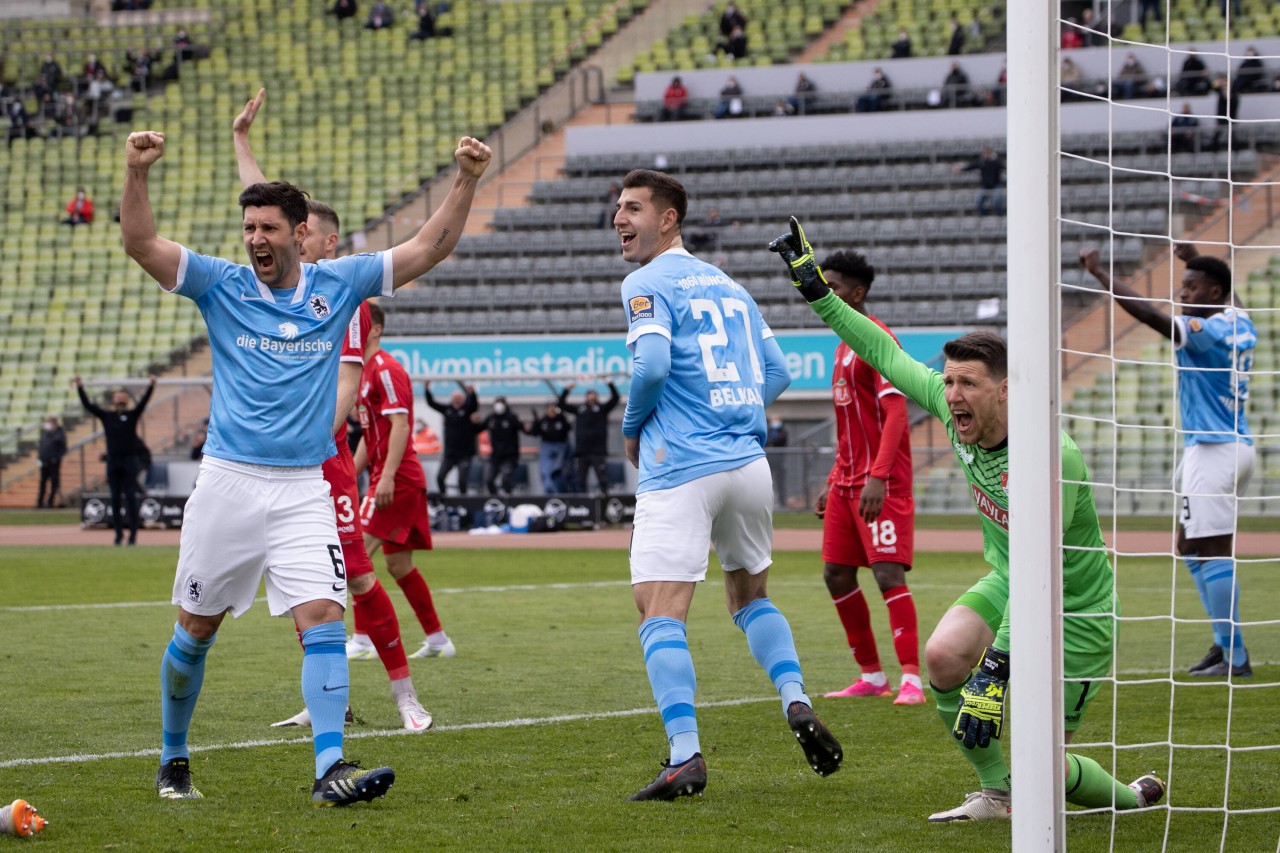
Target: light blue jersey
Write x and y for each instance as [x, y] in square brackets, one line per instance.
[1214, 356]
[725, 368]
[276, 353]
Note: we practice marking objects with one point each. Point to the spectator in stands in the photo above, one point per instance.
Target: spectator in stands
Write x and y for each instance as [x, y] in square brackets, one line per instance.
[996, 96]
[1071, 79]
[1184, 131]
[990, 169]
[79, 209]
[426, 21]
[553, 451]
[730, 19]
[901, 46]
[130, 5]
[956, 46]
[1091, 33]
[125, 451]
[460, 426]
[380, 16]
[1251, 76]
[782, 108]
[777, 435]
[67, 117]
[343, 9]
[955, 87]
[139, 68]
[1145, 6]
[730, 100]
[53, 446]
[1228, 109]
[1194, 79]
[198, 439]
[1071, 39]
[735, 44]
[674, 101]
[46, 95]
[93, 69]
[877, 95]
[706, 236]
[591, 434]
[504, 430]
[52, 71]
[183, 48]
[19, 122]
[802, 100]
[1131, 80]
[609, 205]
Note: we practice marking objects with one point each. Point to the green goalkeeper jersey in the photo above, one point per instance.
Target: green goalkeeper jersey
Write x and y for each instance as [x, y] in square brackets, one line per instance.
[1087, 581]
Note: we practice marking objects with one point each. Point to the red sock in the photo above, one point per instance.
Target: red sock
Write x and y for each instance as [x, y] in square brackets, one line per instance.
[902, 621]
[419, 595]
[359, 616]
[856, 619]
[374, 611]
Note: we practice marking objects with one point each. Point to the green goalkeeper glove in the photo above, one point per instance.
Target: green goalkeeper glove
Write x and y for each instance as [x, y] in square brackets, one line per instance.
[795, 250]
[981, 714]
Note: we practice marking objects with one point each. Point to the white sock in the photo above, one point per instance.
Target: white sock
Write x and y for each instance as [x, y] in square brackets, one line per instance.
[913, 680]
[362, 639]
[439, 638]
[402, 690]
[876, 679]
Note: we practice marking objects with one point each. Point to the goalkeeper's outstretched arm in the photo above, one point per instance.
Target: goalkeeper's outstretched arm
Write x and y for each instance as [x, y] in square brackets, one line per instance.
[868, 340]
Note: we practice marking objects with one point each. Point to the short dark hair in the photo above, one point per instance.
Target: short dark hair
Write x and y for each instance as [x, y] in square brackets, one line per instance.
[324, 213]
[282, 194]
[1215, 269]
[377, 315]
[664, 188]
[986, 347]
[853, 265]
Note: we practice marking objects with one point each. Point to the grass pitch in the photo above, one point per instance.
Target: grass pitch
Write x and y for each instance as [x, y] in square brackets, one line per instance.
[545, 720]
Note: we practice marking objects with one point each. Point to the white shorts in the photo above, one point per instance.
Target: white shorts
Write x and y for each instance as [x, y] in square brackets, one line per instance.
[1208, 480]
[246, 521]
[730, 510]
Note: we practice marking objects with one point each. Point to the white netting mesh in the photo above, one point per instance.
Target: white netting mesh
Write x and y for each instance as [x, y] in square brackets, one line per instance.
[1170, 134]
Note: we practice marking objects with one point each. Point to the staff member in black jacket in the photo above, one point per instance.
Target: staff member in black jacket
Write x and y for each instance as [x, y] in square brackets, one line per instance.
[120, 425]
[504, 430]
[459, 433]
[53, 446]
[553, 452]
[591, 434]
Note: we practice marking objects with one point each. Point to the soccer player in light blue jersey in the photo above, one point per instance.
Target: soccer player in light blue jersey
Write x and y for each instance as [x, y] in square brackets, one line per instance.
[1214, 341]
[261, 506]
[705, 367]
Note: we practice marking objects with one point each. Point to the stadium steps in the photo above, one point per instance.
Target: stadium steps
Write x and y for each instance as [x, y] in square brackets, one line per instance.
[836, 33]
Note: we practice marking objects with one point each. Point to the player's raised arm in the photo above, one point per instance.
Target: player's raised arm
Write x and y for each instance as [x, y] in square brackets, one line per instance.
[247, 165]
[155, 254]
[439, 234]
[1133, 302]
[873, 344]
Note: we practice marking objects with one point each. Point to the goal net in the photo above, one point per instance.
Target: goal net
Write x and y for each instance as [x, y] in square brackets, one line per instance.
[1160, 127]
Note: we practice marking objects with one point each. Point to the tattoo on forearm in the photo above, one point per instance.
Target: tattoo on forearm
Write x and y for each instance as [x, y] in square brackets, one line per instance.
[443, 235]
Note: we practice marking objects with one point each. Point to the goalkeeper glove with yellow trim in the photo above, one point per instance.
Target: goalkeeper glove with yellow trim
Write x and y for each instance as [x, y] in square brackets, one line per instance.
[981, 716]
[795, 250]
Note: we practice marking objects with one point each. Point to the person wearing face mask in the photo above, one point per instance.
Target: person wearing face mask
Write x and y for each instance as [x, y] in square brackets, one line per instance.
[53, 446]
[504, 430]
[120, 426]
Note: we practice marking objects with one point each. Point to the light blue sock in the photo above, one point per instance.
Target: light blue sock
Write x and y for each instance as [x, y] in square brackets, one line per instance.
[671, 675]
[1224, 608]
[326, 689]
[181, 675]
[1196, 568]
[769, 638]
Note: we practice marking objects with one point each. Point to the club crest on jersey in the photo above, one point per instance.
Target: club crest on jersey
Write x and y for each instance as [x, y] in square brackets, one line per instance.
[1004, 482]
[840, 393]
[641, 307]
[288, 331]
[195, 590]
[319, 306]
[987, 506]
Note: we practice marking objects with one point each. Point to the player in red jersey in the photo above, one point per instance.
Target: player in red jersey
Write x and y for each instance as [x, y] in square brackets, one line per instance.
[867, 509]
[394, 511]
[374, 613]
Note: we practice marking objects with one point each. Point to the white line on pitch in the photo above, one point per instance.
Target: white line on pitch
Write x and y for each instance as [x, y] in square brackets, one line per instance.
[518, 722]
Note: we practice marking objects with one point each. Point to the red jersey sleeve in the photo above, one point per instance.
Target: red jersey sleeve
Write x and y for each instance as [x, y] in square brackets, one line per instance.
[395, 390]
[357, 334]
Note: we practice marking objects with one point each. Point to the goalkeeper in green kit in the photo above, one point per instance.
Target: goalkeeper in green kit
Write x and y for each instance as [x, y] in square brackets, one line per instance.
[968, 653]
